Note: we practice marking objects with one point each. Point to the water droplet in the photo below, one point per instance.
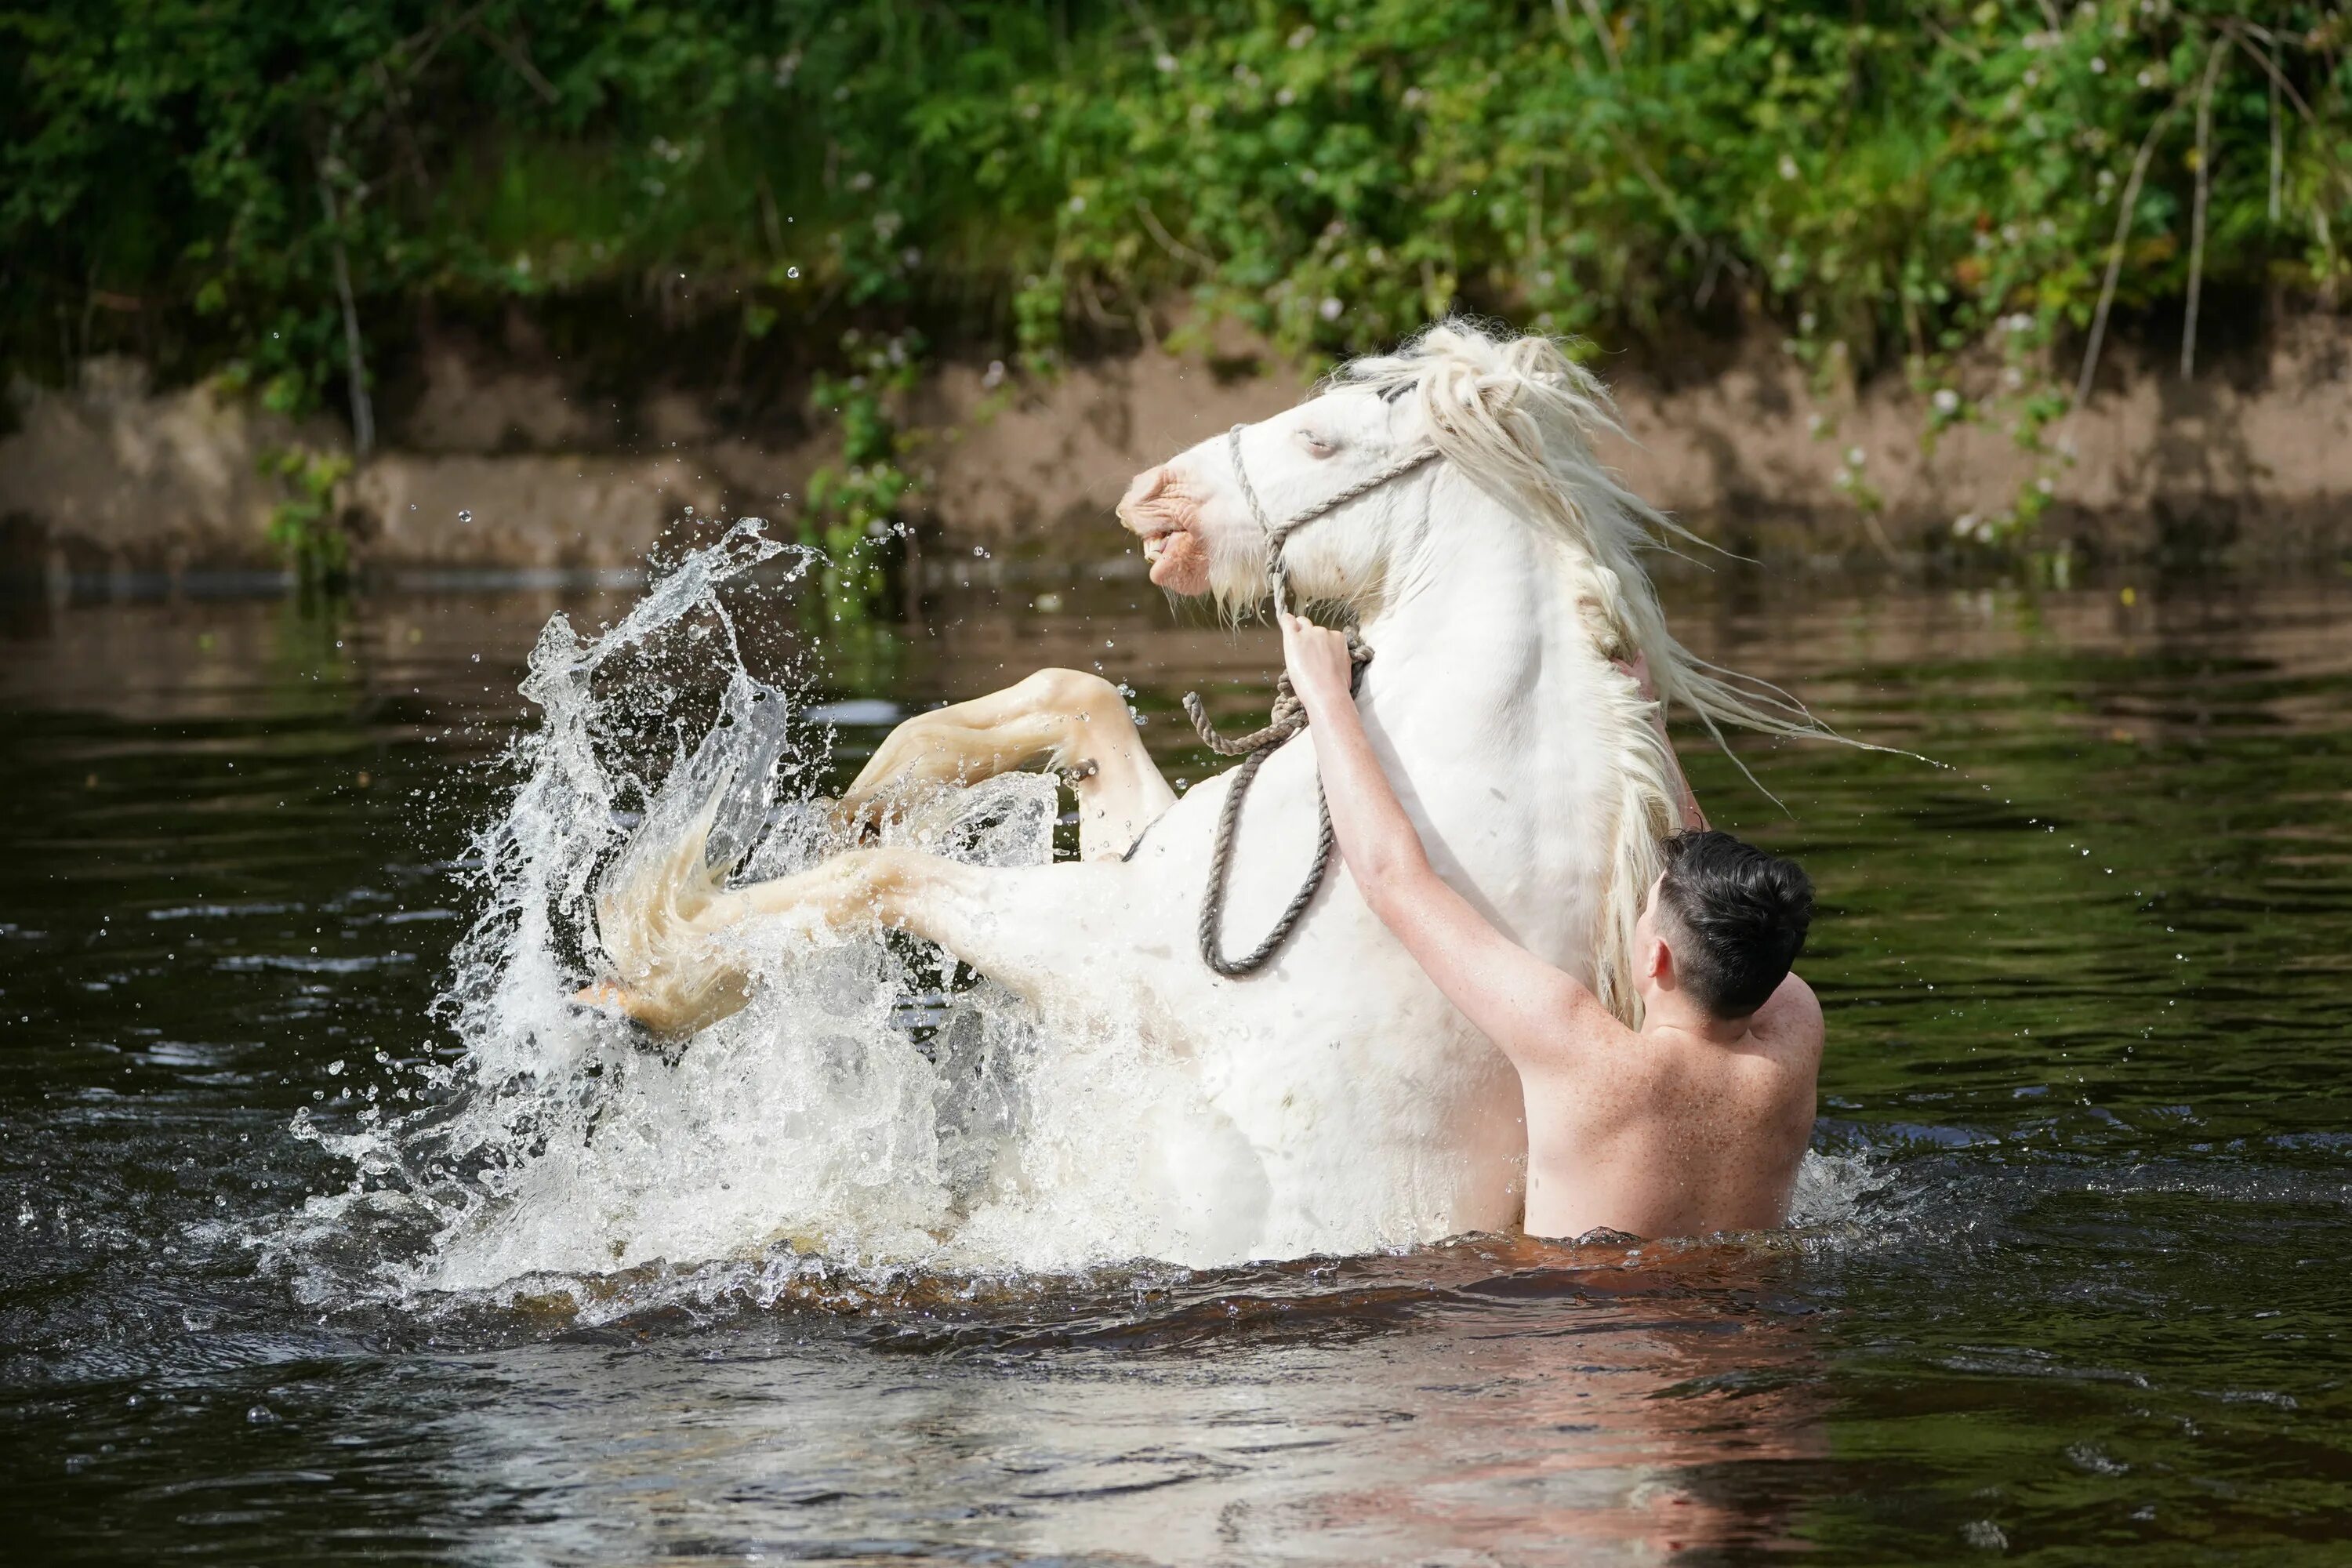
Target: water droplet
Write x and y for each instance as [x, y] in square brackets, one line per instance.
[260, 1414]
[465, 517]
[792, 272]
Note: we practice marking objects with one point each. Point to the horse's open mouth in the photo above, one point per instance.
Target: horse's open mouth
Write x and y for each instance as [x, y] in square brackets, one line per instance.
[1178, 559]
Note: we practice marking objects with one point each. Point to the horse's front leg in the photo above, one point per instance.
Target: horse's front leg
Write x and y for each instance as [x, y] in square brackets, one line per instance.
[1073, 721]
[1036, 931]
[1022, 926]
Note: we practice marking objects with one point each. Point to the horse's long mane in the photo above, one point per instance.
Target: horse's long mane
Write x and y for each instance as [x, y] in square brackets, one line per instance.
[1518, 417]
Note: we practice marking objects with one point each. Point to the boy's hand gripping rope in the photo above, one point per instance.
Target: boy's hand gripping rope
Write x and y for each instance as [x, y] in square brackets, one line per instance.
[1288, 718]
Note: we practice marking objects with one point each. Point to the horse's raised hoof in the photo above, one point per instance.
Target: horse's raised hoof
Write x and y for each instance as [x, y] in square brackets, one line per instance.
[614, 1003]
[606, 998]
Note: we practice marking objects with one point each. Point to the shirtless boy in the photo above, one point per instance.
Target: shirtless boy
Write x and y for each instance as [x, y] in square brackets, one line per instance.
[1691, 1125]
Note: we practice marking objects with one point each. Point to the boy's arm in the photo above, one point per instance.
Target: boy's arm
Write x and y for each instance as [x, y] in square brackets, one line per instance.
[1531, 1011]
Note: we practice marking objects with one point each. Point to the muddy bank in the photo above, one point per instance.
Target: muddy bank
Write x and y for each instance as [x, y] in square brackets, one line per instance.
[500, 462]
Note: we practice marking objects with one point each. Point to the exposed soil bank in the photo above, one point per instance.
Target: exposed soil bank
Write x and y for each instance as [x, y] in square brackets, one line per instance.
[499, 462]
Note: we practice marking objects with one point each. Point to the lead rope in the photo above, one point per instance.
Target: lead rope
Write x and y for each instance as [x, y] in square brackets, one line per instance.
[1288, 718]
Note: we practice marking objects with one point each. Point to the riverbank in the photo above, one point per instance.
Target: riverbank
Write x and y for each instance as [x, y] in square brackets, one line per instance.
[498, 459]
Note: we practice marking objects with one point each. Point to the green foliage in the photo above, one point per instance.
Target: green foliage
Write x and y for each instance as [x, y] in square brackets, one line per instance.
[858, 498]
[853, 504]
[302, 527]
[1896, 185]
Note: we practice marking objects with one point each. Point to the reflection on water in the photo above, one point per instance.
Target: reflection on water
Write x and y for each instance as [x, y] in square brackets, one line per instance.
[1481, 1410]
[2088, 994]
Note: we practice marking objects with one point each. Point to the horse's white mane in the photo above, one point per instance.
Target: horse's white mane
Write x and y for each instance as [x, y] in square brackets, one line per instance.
[1518, 417]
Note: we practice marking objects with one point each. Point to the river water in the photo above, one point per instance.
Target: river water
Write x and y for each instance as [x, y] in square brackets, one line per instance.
[2074, 1281]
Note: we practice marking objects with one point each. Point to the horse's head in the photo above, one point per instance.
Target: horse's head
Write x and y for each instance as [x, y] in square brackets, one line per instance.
[1202, 535]
[1514, 416]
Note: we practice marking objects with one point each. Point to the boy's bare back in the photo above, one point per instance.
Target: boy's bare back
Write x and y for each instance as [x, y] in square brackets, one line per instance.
[1666, 1133]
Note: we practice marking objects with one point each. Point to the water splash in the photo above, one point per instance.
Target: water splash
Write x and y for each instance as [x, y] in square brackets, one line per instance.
[865, 1112]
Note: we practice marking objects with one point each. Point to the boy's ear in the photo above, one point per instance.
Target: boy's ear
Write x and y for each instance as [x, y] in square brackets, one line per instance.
[1659, 962]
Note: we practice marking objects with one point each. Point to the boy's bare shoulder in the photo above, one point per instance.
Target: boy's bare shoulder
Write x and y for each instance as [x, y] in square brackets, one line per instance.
[1791, 1017]
[1582, 1030]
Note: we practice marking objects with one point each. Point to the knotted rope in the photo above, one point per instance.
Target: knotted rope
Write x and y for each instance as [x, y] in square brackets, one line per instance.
[1288, 718]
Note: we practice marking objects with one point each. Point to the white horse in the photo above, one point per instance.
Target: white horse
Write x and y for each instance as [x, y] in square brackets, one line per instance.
[1342, 1104]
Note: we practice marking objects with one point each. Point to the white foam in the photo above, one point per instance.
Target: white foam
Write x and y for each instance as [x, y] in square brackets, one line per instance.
[858, 1113]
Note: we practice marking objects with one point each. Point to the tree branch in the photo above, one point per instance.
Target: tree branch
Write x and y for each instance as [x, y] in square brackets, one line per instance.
[1601, 26]
[1169, 242]
[515, 56]
[2278, 151]
[1973, 56]
[2278, 78]
[2197, 218]
[355, 358]
[431, 38]
[2116, 250]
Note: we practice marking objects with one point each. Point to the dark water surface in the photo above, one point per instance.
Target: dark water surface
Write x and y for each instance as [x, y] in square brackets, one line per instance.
[2089, 996]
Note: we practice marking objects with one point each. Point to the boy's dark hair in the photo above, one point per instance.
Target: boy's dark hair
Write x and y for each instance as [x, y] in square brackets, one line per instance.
[1738, 916]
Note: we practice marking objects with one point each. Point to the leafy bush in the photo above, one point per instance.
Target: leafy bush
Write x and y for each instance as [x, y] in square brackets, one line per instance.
[302, 527]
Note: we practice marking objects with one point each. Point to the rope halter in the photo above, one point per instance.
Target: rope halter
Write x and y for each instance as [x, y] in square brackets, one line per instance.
[1279, 537]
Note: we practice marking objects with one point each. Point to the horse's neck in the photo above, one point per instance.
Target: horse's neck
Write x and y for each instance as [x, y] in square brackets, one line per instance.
[1481, 696]
[1485, 632]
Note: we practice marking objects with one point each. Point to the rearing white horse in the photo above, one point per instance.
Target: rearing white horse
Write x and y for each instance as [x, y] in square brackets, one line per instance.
[1344, 1104]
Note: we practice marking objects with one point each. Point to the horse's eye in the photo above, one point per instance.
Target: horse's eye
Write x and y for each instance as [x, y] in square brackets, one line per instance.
[1317, 444]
